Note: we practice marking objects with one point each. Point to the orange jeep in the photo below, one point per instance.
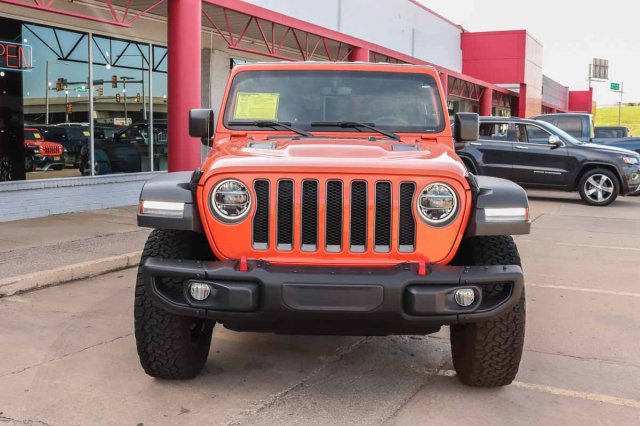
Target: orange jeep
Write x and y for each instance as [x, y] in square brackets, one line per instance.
[40, 153]
[332, 202]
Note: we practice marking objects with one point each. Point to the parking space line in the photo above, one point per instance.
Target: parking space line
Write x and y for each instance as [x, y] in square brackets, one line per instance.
[598, 246]
[587, 396]
[586, 290]
[524, 240]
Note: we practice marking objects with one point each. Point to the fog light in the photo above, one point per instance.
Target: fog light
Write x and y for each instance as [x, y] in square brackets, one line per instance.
[199, 291]
[464, 296]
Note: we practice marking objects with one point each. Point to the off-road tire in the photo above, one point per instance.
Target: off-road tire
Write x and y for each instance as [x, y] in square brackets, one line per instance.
[170, 346]
[29, 164]
[488, 353]
[609, 174]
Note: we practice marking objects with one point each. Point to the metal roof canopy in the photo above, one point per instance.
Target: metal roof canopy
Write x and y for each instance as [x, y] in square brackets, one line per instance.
[249, 28]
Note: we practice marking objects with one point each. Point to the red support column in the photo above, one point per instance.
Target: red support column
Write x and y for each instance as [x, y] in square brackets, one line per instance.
[522, 101]
[486, 102]
[359, 54]
[185, 79]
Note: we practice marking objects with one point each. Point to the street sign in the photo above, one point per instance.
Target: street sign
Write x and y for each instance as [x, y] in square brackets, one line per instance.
[615, 87]
[81, 90]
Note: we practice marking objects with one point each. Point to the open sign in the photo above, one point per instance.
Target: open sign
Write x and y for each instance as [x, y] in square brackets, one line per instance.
[15, 56]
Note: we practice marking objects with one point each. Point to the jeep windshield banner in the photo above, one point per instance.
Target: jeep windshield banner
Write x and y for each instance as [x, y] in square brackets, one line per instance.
[15, 56]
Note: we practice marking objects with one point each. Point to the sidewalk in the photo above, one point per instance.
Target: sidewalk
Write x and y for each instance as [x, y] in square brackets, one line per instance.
[47, 251]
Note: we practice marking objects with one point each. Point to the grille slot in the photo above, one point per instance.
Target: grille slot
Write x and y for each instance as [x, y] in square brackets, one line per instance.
[309, 220]
[407, 223]
[285, 215]
[358, 236]
[261, 217]
[333, 226]
[382, 241]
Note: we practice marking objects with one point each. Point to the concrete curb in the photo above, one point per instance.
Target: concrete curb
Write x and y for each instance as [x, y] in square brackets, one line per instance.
[35, 280]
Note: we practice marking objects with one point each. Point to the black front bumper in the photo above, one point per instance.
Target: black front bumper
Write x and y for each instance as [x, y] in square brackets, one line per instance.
[309, 300]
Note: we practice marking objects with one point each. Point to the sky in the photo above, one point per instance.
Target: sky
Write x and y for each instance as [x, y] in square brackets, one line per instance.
[572, 34]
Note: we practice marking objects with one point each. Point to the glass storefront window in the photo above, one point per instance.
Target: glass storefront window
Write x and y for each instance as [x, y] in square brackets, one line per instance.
[56, 102]
[120, 107]
[47, 115]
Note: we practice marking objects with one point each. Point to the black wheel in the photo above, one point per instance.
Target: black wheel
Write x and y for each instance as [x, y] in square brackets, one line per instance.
[599, 187]
[488, 353]
[29, 164]
[171, 346]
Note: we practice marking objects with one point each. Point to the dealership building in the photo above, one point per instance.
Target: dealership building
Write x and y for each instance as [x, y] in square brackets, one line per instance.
[93, 74]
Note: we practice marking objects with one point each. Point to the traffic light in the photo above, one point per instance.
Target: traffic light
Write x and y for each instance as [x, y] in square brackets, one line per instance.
[69, 108]
[60, 84]
[114, 81]
[100, 91]
[117, 97]
[138, 98]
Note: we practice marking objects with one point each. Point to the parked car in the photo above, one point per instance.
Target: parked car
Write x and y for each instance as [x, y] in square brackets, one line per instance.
[347, 212]
[535, 153]
[580, 126]
[40, 153]
[127, 150]
[71, 137]
[611, 132]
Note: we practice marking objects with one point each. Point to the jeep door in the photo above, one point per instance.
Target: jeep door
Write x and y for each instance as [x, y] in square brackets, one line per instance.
[536, 161]
[492, 151]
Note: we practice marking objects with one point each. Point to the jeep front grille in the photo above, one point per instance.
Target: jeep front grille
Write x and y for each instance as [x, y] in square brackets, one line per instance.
[51, 150]
[334, 216]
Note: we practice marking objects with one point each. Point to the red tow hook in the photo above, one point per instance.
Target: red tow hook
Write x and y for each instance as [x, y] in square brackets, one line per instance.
[243, 266]
[422, 267]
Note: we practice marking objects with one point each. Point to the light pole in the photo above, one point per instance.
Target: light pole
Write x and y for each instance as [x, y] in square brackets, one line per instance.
[124, 92]
[66, 103]
[47, 87]
[620, 106]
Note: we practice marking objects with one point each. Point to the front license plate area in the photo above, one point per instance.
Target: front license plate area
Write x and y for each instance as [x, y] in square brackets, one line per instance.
[332, 298]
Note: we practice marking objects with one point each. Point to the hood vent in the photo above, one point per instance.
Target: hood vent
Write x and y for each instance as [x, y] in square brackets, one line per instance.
[407, 147]
[261, 145]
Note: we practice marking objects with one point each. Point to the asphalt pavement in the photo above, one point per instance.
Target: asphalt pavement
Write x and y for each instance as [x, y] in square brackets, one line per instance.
[67, 353]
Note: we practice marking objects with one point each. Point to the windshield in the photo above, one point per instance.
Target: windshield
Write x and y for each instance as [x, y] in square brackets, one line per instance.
[558, 131]
[396, 102]
[30, 134]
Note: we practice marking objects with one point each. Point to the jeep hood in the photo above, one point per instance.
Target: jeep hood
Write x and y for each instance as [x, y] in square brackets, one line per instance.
[333, 155]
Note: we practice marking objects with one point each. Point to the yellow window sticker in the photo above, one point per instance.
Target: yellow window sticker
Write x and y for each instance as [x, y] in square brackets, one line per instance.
[37, 135]
[86, 133]
[256, 106]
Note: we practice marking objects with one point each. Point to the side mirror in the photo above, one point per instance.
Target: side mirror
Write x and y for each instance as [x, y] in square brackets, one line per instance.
[555, 141]
[466, 127]
[201, 125]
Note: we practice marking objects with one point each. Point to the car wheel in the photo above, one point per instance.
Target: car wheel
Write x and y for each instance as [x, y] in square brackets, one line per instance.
[29, 165]
[170, 346]
[6, 169]
[487, 353]
[599, 187]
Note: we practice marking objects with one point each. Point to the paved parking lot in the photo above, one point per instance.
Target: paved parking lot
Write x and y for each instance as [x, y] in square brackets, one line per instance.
[68, 356]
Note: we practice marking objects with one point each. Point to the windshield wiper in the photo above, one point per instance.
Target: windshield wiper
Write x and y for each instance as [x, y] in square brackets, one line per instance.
[355, 125]
[271, 123]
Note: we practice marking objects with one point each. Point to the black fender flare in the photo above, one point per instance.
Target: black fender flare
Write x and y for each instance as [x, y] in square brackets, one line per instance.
[493, 197]
[176, 187]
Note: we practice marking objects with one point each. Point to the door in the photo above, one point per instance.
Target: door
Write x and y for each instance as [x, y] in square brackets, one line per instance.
[537, 162]
[493, 150]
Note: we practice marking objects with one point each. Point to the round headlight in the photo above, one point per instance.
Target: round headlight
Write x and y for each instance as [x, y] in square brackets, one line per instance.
[230, 200]
[438, 204]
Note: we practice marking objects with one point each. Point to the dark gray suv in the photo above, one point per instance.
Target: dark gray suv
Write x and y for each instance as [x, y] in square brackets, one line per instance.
[537, 154]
